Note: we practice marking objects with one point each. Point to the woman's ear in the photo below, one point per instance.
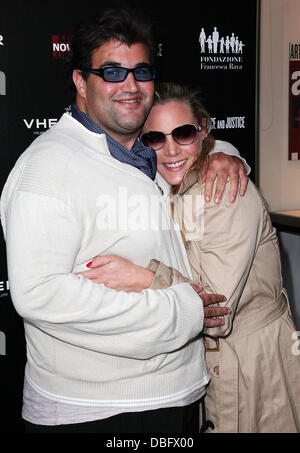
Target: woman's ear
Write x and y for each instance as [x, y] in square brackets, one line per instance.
[79, 82]
[204, 133]
[204, 128]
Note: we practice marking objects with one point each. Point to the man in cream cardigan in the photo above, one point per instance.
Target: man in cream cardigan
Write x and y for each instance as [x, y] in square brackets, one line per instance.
[99, 360]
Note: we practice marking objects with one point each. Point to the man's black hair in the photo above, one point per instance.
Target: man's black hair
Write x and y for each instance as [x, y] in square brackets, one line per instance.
[113, 24]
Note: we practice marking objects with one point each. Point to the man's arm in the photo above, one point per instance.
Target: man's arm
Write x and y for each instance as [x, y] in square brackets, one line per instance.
[225, 161]
[164, 276]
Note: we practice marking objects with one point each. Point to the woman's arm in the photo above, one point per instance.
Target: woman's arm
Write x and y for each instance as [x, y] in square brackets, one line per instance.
[123, 275]
[119, 273]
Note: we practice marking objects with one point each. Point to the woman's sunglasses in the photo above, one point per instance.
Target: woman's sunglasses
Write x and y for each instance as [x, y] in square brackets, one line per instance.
[183, 135]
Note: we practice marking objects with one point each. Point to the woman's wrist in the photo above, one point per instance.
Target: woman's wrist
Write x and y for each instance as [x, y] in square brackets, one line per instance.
[147, 277]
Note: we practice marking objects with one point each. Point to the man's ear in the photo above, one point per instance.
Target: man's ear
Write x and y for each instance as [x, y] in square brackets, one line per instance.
[79, 82]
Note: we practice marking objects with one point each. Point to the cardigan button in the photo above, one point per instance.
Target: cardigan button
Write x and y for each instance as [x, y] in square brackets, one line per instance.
[216, 370]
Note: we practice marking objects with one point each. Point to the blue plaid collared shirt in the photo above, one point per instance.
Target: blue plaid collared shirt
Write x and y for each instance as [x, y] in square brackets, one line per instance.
[140, 156]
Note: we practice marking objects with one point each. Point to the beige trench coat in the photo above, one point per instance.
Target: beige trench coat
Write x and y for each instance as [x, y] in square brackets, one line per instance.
[253, 359]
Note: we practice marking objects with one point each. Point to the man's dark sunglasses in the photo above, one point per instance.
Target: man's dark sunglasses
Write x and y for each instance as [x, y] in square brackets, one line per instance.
[113, 74]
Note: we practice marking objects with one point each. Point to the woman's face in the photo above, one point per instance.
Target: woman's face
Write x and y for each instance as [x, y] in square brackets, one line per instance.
[173, 159]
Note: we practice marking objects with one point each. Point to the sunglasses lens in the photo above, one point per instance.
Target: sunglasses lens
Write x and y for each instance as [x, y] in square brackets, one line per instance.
[144, 73]
[114, 74]
[185, 135]
[155, 140]
[119, 74]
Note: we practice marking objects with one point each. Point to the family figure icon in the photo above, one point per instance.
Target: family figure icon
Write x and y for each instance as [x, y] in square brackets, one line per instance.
[222, 44]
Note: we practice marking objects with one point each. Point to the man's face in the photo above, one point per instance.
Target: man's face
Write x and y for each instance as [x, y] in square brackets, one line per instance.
[120, 108]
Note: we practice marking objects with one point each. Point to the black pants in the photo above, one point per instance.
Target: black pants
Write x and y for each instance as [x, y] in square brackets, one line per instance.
[169, 420]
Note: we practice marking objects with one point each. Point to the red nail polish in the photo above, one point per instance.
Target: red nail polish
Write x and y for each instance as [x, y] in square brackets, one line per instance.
[90, 264]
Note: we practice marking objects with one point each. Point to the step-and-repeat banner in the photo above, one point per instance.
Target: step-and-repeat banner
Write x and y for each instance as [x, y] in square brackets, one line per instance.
[294, 101]
[209, 45]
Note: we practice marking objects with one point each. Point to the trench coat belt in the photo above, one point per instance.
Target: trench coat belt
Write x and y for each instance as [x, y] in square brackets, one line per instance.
[245, 325]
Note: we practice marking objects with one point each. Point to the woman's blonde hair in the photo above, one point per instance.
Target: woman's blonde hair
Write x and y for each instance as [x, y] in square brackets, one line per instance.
[169, 91]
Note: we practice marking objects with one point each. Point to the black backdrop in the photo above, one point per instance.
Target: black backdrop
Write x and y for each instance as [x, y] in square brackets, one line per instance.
[34, 38]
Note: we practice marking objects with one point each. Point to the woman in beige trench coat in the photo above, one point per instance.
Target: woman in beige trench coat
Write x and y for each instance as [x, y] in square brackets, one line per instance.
[253, 358]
